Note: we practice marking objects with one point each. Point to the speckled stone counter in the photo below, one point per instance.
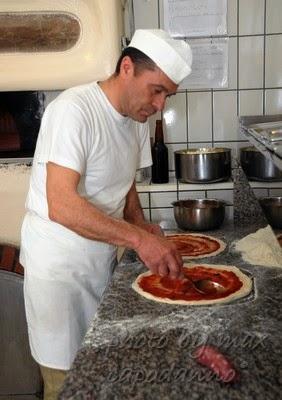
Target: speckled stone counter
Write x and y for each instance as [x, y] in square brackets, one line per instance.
[140, 349]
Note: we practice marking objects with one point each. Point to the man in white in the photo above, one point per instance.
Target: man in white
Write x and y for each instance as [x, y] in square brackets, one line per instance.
[82, 202]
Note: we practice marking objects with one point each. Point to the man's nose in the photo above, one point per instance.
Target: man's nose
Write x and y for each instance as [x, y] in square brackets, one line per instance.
[159, 103]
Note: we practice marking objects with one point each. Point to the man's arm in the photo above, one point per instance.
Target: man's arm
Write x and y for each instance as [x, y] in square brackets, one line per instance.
[133, 213]
[69, 209]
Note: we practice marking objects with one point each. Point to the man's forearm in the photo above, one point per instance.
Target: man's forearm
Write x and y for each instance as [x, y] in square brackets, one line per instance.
[69, 209]
[85, 219]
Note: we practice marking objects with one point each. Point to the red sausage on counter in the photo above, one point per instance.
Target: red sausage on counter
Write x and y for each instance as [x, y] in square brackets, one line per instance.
[212, 358]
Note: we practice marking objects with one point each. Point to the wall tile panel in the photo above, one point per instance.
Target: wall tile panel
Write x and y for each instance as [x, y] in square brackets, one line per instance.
[274, 16]
[174, 116]
[199, 116]
[273, 101]
[273, 61]
[225, 120]
[251, 62]
[251, 102]
[251, 17]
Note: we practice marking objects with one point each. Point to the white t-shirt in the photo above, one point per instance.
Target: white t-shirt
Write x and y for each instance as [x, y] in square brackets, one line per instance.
[81, 130]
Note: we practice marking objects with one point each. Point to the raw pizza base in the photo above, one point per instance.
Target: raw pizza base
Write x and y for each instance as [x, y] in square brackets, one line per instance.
[222, 245]
[242, 292]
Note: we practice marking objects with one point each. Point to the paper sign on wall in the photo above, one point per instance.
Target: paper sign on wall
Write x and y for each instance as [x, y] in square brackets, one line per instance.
[210, 64]
[188, 18]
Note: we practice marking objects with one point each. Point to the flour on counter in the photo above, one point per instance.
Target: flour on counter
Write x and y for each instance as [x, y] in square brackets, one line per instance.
[261, 248]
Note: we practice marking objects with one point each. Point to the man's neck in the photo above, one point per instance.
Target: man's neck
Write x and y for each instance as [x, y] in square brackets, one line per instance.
[111, 88]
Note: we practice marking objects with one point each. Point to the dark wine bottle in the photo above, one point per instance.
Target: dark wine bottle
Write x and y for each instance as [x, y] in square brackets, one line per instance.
[159, 156]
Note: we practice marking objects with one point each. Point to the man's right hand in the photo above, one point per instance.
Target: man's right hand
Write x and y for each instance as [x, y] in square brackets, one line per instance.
[160, 256]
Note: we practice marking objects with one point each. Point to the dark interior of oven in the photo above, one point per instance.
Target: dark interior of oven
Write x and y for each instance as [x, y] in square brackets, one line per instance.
[20, 117]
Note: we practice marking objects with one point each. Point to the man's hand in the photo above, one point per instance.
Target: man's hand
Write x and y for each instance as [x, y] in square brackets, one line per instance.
[160, 256]
[157, 253]
[155, 229]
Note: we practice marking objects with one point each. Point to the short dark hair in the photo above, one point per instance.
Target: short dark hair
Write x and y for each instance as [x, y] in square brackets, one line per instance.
[140, 60]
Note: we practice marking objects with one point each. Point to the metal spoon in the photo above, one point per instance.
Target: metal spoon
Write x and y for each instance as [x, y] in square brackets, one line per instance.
[203, 286]
[207, 286]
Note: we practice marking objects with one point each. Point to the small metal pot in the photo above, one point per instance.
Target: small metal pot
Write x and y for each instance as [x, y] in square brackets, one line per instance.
[257, 167]
[203, 165]
[199, 214]
[272, 207]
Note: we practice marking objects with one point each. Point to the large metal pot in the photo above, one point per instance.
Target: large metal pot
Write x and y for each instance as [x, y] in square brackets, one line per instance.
[203, 165]
[257, 167]
[272, 207]
[199, 214]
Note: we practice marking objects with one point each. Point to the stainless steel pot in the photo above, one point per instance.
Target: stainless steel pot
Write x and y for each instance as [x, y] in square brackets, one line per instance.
[203, 165]
[257, 167]
[199, 214]
[272, 207]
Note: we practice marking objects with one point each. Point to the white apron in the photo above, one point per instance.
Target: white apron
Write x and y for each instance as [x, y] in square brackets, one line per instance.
[61, 298]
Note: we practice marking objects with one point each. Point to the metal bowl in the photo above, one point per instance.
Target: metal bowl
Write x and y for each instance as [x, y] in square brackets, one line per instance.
[199, 214]
[272, 207]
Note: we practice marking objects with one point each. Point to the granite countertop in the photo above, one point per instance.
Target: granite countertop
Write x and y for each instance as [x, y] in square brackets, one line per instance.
[140, 349]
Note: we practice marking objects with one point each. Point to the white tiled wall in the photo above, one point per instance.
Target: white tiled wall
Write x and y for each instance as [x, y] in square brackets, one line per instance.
[210, 117]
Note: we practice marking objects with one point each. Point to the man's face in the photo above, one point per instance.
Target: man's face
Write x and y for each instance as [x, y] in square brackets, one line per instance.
[146, 93]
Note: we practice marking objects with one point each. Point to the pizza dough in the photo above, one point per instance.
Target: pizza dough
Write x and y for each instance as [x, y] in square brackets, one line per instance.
[243, 289]
[195, 245]
[261, 248]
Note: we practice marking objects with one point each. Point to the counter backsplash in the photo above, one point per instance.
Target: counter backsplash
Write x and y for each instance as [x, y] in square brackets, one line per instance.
[155, 199]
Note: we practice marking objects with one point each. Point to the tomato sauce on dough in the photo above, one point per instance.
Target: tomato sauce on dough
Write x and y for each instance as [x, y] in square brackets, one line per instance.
[177, 289]
[193, 245]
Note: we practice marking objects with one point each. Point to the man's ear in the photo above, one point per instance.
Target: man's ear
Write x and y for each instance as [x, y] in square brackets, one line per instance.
[126, 67]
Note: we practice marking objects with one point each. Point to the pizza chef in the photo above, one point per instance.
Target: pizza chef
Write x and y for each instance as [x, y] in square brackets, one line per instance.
[82, 201]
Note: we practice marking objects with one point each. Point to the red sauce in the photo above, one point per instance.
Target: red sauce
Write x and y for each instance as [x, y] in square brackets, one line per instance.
[194, 245]
[174, 289]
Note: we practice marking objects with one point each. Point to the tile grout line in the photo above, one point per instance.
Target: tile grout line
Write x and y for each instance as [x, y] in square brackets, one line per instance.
[238, 59]
[212, 116]
[263, 66]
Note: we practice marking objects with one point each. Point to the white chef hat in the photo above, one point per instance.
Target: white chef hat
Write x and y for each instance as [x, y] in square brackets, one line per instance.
[172, 56]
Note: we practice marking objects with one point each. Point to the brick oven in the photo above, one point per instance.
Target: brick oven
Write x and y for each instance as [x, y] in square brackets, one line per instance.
[45, 46]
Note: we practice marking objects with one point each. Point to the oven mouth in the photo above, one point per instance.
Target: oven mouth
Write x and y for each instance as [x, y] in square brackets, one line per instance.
[20, 119]
[38, 32]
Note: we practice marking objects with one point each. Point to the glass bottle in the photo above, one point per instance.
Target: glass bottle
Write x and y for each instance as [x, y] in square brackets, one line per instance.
[159, 156]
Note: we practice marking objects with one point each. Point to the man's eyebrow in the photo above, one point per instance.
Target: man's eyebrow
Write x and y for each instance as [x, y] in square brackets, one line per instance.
[164, 89]
[161, 87]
